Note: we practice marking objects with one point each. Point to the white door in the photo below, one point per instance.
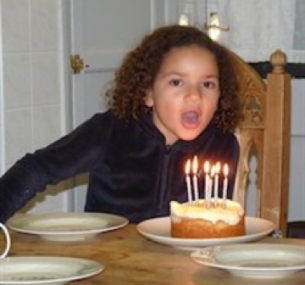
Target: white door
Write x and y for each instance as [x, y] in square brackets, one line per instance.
[102, 31]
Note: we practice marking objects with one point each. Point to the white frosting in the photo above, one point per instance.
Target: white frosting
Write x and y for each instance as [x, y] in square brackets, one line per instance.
[230, 214]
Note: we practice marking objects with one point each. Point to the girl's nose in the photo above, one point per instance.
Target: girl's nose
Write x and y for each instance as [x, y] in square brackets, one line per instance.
[193, 93]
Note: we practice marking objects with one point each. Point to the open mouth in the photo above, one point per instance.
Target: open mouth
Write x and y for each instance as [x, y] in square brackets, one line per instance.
[190, 119]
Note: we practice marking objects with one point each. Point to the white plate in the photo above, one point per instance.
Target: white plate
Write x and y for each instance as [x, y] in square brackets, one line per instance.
[254, 260]
[158, 229]
[66, 226]
[50, 270]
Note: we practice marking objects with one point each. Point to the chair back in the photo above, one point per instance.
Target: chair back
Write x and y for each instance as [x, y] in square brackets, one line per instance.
[264, 132]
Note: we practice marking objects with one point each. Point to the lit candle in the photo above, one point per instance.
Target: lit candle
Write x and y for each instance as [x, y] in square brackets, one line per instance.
[225, 183]
[217, 170]
[188, 180]
[211, 185]
[195, 178]
[206, 168]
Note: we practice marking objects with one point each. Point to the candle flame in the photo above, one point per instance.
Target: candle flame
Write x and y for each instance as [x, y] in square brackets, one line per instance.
[195, 164]
[226, 170]
[213, 170]
[188, 167]
[206, 167]
[217, 167]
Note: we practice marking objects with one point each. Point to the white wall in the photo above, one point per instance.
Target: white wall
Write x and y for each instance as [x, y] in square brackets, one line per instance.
[32, 95]
[2, 150]
[297, 160]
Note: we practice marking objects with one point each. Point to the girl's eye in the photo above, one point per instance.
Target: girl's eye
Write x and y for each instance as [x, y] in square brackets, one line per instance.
[209, 84]
[176, 82]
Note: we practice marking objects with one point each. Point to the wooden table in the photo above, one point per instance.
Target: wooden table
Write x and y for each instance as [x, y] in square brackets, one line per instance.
[131, 259]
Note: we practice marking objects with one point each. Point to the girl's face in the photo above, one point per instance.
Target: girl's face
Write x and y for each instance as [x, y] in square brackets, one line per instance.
[185, 93]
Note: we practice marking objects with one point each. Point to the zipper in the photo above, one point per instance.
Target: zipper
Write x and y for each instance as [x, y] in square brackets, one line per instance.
[163, 194]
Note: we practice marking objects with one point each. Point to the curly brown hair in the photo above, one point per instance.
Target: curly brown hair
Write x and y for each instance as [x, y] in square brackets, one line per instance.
[141, 66]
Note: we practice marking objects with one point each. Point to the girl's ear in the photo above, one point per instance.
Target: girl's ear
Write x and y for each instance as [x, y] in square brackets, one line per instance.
[149, 101]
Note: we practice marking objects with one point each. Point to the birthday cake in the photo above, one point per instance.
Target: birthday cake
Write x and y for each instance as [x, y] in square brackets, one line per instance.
[207, 219]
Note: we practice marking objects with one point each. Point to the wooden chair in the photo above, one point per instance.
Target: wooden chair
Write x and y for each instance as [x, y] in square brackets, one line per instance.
[265, 133]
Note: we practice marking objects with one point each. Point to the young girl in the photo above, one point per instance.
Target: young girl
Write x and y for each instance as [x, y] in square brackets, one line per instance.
[174, 97]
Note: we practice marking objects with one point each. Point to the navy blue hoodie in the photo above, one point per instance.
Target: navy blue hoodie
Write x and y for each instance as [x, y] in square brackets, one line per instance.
[132, 172]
